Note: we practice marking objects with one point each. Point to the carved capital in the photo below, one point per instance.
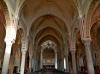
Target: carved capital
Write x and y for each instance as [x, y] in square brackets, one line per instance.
[86, 41]
[24, 44]
[24, 52]
[73, 50]
[73, 47]
[10, 42]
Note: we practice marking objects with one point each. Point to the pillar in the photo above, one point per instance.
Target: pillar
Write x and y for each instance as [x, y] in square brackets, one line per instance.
[6, 58]
[81, 63]
[87, 43]
[73, 51]
[34, 61]
[62, 63]
[9, 39]
[23, 62]
[33, 65]
[30, 62]
[36, 64]
[18, 60]
[41, 59]
[56, 61]
[67, 64]
[23, 50]
[66, 52]
[73, 61]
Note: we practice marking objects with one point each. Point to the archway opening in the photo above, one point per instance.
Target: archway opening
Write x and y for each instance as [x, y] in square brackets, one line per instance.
[48, 57]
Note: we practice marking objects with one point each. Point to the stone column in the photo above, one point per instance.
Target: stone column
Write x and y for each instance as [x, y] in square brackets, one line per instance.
[62, 64]
[36, 64]
[41, 59]
[67, 64]
[6, 57]
[18, 60]
[56, 61]
[23, 62]
[74, 61]
[81, 62]
[73, 51]
[30, 62]
[33, 66]
[9, 39]
[30, 55]
[23, 50]
[66, 59]
[87, 43]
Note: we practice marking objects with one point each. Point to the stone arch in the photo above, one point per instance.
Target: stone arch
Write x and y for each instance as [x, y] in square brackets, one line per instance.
[52, 14]
[46, 35]
[54, 19]
[56, 32]
[6, 11]
[95, 36]
[56, 28]
[93, 7]
[45, 28]
[52, 49]
[3, 14]
[87, 21]
[56, 13]
[45, 38]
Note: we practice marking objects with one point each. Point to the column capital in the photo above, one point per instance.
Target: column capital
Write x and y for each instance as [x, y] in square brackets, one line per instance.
[24, 52]
[72, 45]
[24, 39]
[24, 45]
[86, 41]
[10, 34]
[10, 42]
[73, 49]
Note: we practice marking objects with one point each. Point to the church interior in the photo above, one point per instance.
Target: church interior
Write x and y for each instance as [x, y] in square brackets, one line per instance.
[49, 36]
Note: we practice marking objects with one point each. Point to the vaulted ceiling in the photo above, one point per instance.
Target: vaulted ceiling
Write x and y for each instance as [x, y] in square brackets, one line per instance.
[52, 20]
